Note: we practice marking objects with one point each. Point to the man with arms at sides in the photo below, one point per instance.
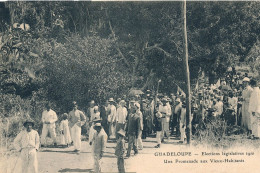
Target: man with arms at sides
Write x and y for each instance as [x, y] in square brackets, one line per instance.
[49, 117]
[99, 146]
[76, 120]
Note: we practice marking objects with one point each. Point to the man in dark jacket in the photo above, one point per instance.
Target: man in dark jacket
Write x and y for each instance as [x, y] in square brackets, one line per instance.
[120, 150]
[133, 128]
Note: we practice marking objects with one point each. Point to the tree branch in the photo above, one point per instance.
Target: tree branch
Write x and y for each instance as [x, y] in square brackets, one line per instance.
[117, 46]
[157, 46]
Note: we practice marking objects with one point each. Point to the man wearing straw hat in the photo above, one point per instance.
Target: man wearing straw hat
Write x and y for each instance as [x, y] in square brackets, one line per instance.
[133, 128]
[99, 146]
[112, 119]
[76, 119]
[121, 114]
[120, 151]
[27, 142]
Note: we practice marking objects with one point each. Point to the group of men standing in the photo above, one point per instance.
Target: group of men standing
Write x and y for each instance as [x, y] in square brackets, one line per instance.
[139, 117]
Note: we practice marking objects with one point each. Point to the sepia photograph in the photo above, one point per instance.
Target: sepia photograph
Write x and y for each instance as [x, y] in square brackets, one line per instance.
[129, 86]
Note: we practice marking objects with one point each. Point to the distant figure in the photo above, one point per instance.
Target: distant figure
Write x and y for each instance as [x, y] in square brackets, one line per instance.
[92, 130]
[104, 112]
[65, 131]
[27, 142]
[133, 129]
[120, 151]
[49, 117]
[165, 110]
[121, 114]
[183, 122]
[112, 119]
[254, 109]
[99, 146]
[246, 93]
[76, 120]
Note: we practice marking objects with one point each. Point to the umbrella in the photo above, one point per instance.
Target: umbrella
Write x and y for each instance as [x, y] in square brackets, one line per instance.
[134, 92]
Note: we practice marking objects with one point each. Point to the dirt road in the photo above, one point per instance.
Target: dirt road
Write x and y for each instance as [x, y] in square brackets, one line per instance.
[150, 159]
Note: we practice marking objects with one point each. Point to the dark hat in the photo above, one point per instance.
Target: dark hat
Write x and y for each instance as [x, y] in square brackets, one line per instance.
[121, 132]
[28, 121]
[164, 100]
[96, 119]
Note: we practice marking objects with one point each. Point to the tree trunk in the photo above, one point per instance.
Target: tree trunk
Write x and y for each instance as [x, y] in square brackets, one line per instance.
[186, 66]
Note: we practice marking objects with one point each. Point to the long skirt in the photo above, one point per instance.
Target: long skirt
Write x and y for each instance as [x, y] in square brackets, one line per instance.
[256, 125]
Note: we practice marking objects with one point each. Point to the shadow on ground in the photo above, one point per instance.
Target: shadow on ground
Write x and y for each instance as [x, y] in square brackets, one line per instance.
[75, 170]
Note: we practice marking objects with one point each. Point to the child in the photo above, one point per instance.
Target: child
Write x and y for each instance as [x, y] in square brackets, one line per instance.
[120, 151]
[27, 142]
[65, 131]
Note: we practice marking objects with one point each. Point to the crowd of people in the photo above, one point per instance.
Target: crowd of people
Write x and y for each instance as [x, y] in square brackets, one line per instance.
[234, 99]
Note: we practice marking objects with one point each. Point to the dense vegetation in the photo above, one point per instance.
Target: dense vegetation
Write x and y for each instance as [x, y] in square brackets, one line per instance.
[64, 51]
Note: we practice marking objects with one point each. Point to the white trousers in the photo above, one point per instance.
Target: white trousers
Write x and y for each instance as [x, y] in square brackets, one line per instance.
[29, 160]
[139, 140]
[45, 129]
[158, 137]
[97, 163]
[76, 136]
[182, 130]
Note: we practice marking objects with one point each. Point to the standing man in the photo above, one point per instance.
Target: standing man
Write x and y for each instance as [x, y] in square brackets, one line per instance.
[99, 146]
[49, 117]
[27, 142]
[166, 113]
[246, 93]
[112, 119]
[121, 114]
[133, 129]
[254, 109]
[120, 151]
[176, 116]
[76, 120]
[104, 112]
[183, 123]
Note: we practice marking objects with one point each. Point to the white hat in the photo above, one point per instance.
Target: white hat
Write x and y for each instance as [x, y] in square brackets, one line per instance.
[246, 79]
[137, 105]
[111, 100]
[178, 100]
[98, 125]
[96, 108]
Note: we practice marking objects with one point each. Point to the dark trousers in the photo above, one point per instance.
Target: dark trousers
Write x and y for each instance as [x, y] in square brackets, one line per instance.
[121, 165]
[105, 127]
[132, 142]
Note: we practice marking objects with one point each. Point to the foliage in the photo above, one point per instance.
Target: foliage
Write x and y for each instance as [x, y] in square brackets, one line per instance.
[210, 132]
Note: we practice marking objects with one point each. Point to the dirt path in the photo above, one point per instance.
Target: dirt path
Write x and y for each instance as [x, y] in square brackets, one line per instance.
[54, 160]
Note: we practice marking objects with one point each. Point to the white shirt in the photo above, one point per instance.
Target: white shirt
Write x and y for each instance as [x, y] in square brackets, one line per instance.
[121, 114]
[254, 102]
[246, 93]
[112, 115]
[165, 111]
[49, 116]
[177, 108]
[27, 140]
